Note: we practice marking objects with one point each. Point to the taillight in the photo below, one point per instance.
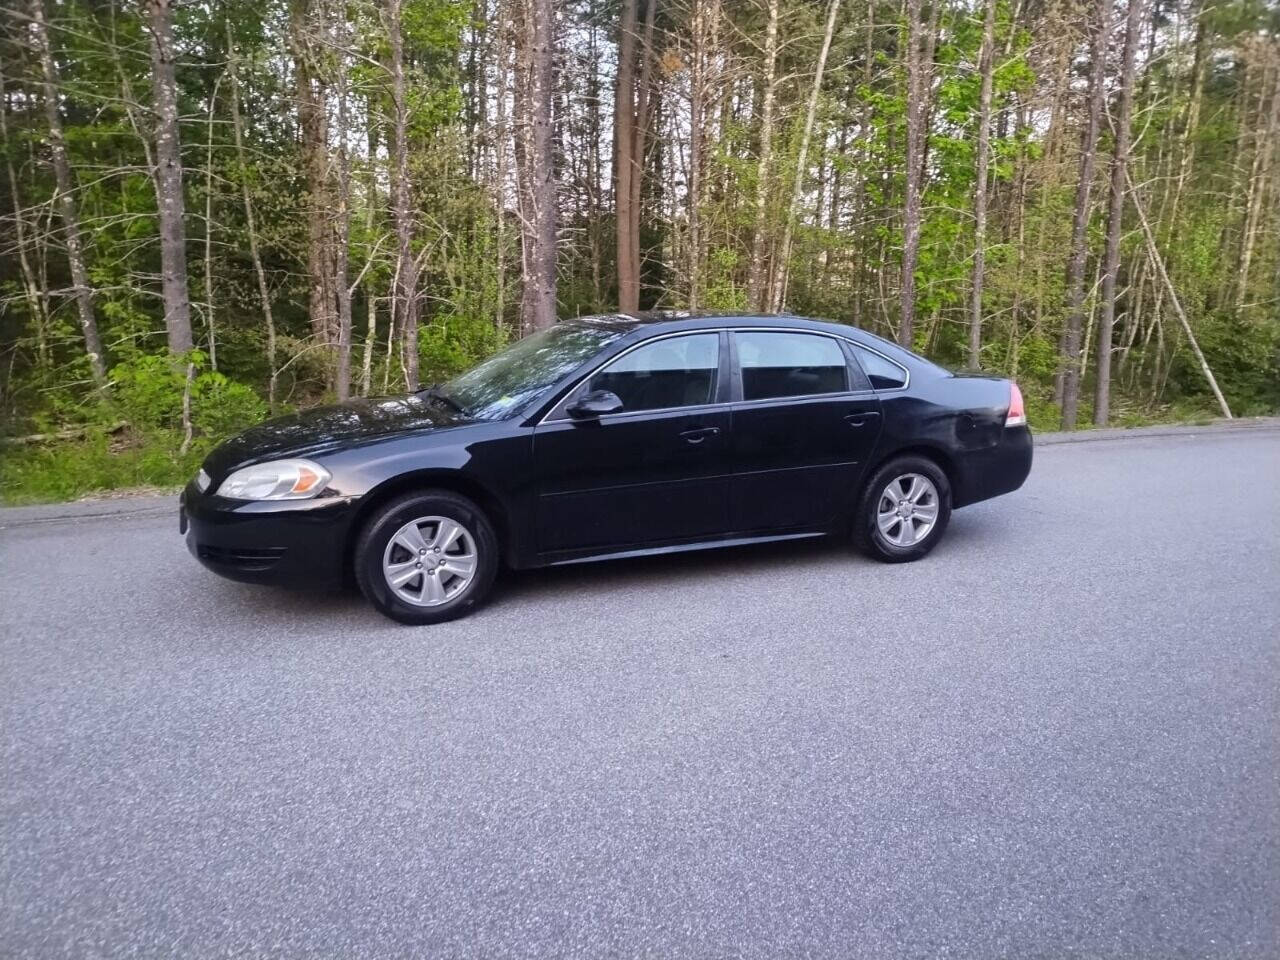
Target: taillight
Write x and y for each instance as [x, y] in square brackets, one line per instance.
[1017, 416]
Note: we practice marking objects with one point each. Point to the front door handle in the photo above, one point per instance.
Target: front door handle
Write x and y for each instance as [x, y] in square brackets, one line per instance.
[859, 419]
[698, 434]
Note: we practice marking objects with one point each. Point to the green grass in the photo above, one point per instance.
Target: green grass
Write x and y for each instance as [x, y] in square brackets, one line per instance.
[1046, 417]
[73, 469]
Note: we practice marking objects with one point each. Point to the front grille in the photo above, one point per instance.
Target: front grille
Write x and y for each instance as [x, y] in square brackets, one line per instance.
[241, 558]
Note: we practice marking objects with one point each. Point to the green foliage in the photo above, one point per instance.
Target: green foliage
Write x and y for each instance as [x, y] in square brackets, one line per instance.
[149, 391]
[101, 462]
[222, 407]
[1245, 358]
[451, 344]
[133, 435]
[720, 291]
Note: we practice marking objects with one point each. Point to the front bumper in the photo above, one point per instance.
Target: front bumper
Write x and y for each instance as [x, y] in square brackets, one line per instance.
[289, 543]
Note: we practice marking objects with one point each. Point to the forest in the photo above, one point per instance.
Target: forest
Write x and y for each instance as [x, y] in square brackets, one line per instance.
[212, 212]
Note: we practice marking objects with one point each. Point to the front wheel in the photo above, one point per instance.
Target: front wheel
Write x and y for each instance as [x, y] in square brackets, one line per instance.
[903, 511]
[426, 557]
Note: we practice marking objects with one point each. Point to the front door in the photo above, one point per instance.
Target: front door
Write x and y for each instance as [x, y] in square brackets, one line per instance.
[657, 471]
[803, 429]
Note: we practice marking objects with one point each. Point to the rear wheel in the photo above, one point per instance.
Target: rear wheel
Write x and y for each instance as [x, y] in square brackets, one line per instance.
[903, 511]
[427, 557]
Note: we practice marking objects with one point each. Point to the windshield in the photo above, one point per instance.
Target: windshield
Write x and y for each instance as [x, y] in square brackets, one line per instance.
[508, 380]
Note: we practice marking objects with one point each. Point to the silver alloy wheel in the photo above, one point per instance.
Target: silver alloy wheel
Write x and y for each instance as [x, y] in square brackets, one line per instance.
[907, 509]
[430, 561]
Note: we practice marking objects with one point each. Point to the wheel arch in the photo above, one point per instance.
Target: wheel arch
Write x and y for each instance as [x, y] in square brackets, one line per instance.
[944, 460]
[449, 480]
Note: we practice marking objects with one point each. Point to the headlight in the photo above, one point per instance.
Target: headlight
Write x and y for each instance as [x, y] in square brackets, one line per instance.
[276, 480]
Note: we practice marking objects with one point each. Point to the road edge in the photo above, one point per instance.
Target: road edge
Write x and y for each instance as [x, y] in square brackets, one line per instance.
[136, 506]
[1105, 434]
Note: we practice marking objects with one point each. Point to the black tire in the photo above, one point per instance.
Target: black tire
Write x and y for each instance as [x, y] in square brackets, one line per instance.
[372, 545]
[867, 535]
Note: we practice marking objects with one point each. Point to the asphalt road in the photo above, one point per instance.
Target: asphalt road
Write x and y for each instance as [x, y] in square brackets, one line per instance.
[1058, 736]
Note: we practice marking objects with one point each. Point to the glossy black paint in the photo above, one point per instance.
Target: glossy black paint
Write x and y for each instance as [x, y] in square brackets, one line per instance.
[561, 488]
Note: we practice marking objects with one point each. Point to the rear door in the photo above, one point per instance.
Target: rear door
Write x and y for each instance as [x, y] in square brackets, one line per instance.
[805, 422]
[658, 471]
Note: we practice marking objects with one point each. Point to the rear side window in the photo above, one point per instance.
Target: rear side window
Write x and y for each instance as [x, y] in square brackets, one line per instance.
[883, 374]
[790, 365]
[673, 372]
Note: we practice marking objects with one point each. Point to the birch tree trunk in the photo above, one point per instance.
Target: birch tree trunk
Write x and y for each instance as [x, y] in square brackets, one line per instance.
[168, 180]
[640, 146]
[983, 163]
[757, 279]
[1154, 253]
[917, 90]
[702, 30]
[1080, 223]
[370, 293]
[341, 248]
[1192, 121]
[501, 133]
[264, 293]
[782, 264]
[31, 291]
[1263, 151]
[406, 295]
[67, 207]
[210, 311]
[1115, 215]
[593, 200]
[313, 124]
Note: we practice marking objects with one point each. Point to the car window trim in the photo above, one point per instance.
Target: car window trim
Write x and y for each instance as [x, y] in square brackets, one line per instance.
[735, 372]
[856, 373]
[714, 405]
[834, 336]
[906, 372]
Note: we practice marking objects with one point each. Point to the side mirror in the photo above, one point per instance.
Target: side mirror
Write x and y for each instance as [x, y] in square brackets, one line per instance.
[597, 403]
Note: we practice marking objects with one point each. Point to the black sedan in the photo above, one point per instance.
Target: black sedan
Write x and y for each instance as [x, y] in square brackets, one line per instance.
[605, 437]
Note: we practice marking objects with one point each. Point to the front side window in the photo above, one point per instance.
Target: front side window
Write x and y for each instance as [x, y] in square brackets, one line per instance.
[883, 374]
[790, 365]
[674, 372]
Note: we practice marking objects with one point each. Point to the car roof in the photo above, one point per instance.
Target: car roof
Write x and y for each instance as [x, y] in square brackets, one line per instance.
[694, 318]
[665, 321]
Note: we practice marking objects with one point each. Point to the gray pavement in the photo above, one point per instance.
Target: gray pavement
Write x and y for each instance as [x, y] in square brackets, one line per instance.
[1057, 736]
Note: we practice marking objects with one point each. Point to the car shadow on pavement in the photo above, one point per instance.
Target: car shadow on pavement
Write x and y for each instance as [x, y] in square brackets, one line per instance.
[272, 604]
[683, 566]
[965, 532]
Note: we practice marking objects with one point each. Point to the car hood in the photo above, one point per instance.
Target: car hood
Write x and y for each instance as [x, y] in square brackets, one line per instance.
[324, 428]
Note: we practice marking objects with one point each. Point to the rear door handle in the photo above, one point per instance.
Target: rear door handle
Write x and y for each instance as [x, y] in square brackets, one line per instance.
[860, 419]
[698, 434]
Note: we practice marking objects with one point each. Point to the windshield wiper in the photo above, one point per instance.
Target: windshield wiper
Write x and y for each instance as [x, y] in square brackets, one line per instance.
[434, 393]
